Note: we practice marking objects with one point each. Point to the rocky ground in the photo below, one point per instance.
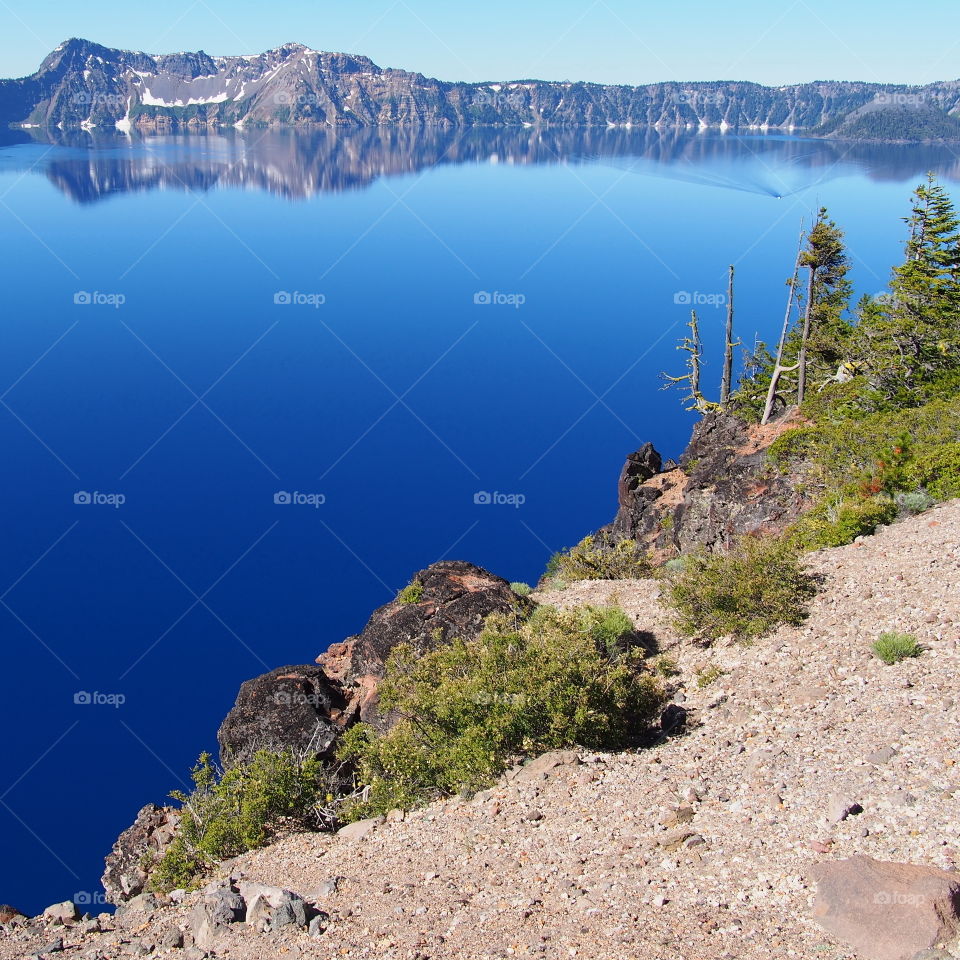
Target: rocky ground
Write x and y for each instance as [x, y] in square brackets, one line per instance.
[701, 847]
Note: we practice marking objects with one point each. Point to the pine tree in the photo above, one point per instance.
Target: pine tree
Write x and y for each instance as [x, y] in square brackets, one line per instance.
[911, 336]
[825, 334]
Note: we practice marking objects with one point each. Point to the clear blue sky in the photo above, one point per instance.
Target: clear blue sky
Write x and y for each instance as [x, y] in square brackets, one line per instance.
[612, 41]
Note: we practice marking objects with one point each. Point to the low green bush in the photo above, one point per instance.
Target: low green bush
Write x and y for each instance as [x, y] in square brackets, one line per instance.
[915, 501]
[938, 471]
[411, 593]
[244, 808]
[745, 593]
[836, 523]
[596, 559]
[893, 647]
[708, 676]
[521, 589]
[469, 709]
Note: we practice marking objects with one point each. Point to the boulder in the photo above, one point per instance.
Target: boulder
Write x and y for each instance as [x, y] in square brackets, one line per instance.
[305, 708]
[142, 843]
[887, 911]
[222, 905]
[455, 600]
[65, 913]
[294, 708]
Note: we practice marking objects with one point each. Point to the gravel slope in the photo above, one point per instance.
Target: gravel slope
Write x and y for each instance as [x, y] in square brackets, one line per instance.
[694, 849]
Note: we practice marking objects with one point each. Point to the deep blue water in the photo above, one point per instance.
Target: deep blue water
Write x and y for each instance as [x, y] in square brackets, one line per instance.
[199, 398]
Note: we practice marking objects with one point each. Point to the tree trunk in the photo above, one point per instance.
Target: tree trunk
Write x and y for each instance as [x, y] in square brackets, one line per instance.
[807, 315]
[727, 380]
[778, 367]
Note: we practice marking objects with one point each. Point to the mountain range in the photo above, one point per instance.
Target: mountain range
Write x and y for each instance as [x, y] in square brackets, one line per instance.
[85, 85]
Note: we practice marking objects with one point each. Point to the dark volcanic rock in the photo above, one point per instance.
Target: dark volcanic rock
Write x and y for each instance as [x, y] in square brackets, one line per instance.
[306, 708]
[457, 597]
[144, 842]
[296, 708]
[724, 488]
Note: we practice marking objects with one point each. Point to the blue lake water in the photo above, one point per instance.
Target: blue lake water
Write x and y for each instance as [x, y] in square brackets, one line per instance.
[392, 323]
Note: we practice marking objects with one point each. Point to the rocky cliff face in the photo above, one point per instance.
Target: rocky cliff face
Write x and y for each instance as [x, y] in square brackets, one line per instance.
[84, 84]
[306, 708]
[723, 488]
[455, 600]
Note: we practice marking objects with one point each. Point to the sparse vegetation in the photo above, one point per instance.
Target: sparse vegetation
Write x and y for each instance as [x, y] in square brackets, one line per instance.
[596, 559]
[708, 676]
[893, 647]
[469, 709]
[243, 808]
[411, 593]
[521, 589]
[745, 593]
[914, 501]
[665, 666]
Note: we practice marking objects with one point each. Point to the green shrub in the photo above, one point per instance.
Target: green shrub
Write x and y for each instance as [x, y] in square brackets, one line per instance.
[242, 809]
[521, 589]
[468, 709]
[707, 676]
[665, 666]
[915, 501]
[595, 559]
[892, 647]
[411, 593]
[745, 593]
[675, 565]
[885, 451]
[938, 471]
[834, 524]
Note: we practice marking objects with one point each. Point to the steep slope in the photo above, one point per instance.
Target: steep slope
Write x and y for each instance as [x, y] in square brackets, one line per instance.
[83, 84]
[700, 847]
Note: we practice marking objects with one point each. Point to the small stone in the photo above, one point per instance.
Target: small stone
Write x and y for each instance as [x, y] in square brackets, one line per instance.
[881, 756]
[359, 829]
[839, 808]
[172, 939]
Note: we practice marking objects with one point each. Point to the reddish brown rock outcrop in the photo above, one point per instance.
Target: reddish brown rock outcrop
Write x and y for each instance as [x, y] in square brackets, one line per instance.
[724, 487]
[455, 599]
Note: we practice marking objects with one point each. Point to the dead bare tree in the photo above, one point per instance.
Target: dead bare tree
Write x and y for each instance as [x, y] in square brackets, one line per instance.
[778, 368]
[693, 347]
[729, 345]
